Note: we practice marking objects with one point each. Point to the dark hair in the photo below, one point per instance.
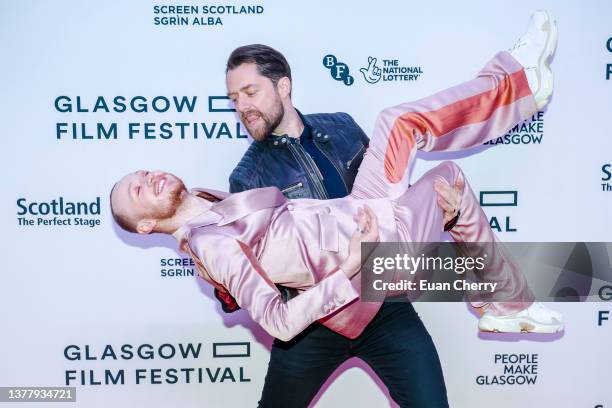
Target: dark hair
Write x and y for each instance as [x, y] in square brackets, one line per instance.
[121, 220]
[270, 63]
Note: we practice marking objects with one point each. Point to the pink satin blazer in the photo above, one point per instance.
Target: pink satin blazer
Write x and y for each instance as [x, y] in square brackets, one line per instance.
[252, 240]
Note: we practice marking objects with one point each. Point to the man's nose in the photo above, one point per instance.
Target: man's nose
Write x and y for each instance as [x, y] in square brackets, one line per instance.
[241, 105]
[154, 175]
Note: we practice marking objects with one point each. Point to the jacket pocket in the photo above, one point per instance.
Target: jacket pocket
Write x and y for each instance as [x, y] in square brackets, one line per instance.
[294, 190]
[328, 232]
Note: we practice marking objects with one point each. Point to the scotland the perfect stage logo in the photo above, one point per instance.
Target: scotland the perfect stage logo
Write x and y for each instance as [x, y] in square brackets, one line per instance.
[58, 212]
[374, 71]
[606, 176]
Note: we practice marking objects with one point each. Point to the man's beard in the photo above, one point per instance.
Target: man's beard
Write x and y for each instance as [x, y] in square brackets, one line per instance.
[176, 196]
[270, 122]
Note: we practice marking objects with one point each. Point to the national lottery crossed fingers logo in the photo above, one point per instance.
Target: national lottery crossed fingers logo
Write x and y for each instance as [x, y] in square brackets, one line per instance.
[374, 71]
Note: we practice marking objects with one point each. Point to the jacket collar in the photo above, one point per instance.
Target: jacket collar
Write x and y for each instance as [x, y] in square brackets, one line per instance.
[239, 205]
[230, 207]
[282, 141]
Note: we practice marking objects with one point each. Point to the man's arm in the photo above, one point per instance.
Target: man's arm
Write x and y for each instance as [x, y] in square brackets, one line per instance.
[357, 131]
[236, 185]
[232, 264]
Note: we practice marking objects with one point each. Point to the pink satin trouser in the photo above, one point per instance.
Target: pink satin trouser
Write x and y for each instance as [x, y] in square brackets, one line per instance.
[461, 117]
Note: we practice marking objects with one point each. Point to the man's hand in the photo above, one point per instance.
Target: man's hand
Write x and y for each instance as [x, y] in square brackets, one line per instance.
[367, 231]
[449, 198]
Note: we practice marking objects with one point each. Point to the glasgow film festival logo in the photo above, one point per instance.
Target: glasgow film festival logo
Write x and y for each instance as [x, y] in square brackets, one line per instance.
[501, 221]
[374, 71]
[75, 123]
[194, 363]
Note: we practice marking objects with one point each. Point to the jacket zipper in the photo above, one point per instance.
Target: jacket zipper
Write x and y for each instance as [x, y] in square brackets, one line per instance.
[292, 187]
[308, 165]
[348, 163]
[340, 173]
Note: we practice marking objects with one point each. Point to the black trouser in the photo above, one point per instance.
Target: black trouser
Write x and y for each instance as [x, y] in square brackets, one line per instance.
[395, 344]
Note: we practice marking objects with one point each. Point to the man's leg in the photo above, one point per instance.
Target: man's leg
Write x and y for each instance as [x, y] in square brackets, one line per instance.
[298, 368]
[511, 308]
[421, 220]
[461, 117]
[401, 352]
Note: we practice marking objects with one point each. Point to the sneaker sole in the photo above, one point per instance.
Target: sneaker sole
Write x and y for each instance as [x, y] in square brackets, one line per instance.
[545, 76]
[522, 325]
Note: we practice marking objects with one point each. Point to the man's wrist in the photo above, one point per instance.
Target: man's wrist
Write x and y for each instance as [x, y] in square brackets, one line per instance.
[449, 225]
[349, 268]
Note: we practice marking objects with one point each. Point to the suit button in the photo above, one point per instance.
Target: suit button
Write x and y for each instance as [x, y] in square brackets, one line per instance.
[284, 140]
[326, 137]
[276, 143]
[290, 207]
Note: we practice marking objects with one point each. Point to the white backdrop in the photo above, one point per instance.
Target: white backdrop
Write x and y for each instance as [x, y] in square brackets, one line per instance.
[74, 285]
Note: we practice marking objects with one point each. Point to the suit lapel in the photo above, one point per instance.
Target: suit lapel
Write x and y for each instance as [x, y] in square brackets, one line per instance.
[230, 207]
[239, 205]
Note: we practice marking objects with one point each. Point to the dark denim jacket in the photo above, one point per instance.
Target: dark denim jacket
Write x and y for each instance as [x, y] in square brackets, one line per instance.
[282, 162]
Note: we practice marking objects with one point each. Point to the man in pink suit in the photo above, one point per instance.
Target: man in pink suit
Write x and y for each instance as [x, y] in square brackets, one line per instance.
[247, 242]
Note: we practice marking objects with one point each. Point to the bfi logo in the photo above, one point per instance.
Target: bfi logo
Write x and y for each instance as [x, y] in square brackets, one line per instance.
[500, 199]
[338, 70]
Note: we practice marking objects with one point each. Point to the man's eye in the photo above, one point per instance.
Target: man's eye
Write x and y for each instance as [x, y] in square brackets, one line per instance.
[138, 191]
[251, 93]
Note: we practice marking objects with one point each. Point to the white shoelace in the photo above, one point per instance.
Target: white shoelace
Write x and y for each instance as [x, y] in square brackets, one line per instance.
[520, 43]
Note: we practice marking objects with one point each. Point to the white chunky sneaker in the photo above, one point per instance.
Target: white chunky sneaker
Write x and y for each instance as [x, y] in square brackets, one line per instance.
[534, 51]
[537, 318]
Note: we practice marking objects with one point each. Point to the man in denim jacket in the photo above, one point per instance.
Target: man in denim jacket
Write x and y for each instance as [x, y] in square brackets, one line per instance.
[317, 156]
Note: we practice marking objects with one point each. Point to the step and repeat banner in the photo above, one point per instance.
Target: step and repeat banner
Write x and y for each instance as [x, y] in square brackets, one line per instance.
[94, 90]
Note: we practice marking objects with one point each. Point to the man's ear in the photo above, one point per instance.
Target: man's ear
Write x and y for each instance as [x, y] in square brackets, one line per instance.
[145, 226]
[284, 87]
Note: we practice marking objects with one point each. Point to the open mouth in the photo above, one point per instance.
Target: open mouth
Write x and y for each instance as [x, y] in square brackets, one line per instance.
[159, 185]
[252, 118]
